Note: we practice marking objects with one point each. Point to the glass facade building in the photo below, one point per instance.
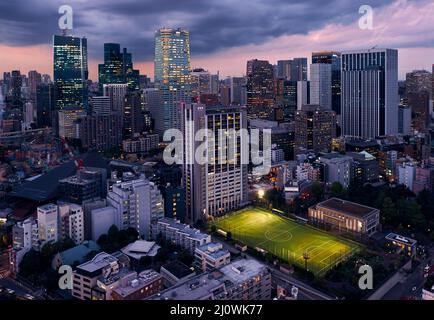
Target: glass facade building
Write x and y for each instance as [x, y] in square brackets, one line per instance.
[117, 68]
[172, 75]
[334, 59]
[70, 72]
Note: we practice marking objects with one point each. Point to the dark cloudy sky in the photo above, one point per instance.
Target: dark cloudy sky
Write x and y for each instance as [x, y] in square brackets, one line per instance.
[224, 33]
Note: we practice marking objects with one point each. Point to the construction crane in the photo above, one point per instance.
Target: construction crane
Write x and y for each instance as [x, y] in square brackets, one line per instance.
[77, 161]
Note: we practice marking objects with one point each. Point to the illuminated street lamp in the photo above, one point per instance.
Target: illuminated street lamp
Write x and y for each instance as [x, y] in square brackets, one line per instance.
[261, 193]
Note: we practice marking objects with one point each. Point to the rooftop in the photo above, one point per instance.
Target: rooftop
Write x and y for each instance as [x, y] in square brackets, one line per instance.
[143, 279]
[98, 262]
[141, 248]
[178, 269]
[78, 253]
[45, 187]
[184, 228]
[213, 283]
[347, 207]
[213, 249]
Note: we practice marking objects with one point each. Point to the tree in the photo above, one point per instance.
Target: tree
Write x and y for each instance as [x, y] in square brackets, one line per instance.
[113, 233]
[229, 236]
[213, 228]
[32, 265]
[275, 198]
[337, 190]
[388, 210]
[317, 191]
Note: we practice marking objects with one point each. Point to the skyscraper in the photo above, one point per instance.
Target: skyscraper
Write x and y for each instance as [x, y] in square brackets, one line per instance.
[334, 59]
[172, 75]
[284, 69]
[70, 72]
[370, 93]
[45, 104]
[116, 94]
[315, 128]
[260, 88]
[219, 185]
[238, 90]
[418, 86]
[286, 96]
[321, 85]
[35, 79]
[117, 68]
[299, 69]
[16, 85]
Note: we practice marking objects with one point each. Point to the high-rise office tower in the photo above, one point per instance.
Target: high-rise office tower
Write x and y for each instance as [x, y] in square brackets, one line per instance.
[100, 132]
[45, 105]
[132, 116]
[321, 85]
[299, 69]
[101, 105]
[238, 90]
[16, 85]
[116, 94]
[117, 68]
[284, 69]
[172, 75]
[293, 70]
[260, 88]
[285, 92]
[418, 86]
[334, 59]
[70, 72]
[111, 70]
[35, 79]
[315, 128]
[200, 82]
[303, 93]
[220, 184]
[66, 119]
[369, 98]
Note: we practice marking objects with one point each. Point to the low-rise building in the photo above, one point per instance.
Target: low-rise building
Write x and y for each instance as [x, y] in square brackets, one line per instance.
[75, 255]
[142, 144]
[141, 248]
[211, 256]
[142, 286]
[345, 216]
[86, 275]
[176, 272]
[243, 279]
[182, 234]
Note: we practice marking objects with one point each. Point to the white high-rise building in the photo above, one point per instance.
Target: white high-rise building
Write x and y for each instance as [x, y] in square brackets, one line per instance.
[321, 85]
[101, 221]
[406, 174]
[220, 184]
[369, 99]
[303, 93]
[71, 222]
[47, 224]
[138, 204]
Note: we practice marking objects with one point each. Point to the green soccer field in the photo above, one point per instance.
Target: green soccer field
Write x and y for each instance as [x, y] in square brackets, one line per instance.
[287, 239]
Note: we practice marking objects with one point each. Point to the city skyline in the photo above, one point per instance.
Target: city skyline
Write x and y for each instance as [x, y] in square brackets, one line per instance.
[402, 25]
